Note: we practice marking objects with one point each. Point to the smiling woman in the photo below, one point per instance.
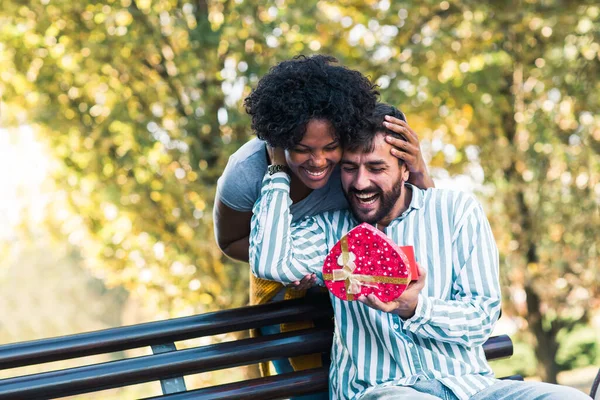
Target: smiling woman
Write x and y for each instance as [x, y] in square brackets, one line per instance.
[308, 107]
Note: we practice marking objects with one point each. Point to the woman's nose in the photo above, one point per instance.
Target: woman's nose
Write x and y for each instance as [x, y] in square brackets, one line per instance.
[318, 160]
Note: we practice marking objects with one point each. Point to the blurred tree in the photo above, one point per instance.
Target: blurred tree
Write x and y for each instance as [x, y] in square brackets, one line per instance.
[141, 101]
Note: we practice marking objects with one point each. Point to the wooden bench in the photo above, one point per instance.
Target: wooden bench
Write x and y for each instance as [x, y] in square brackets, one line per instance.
[169, 365]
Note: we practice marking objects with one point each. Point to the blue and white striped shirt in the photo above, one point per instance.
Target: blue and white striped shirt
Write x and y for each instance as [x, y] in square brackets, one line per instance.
[456, 309]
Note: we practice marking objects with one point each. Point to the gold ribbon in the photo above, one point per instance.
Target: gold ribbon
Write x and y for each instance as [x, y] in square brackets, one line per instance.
[355, 282]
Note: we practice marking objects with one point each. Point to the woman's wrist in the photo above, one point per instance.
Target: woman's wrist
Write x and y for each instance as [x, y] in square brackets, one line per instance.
[276, 156]
[275, 168]
[421, 180]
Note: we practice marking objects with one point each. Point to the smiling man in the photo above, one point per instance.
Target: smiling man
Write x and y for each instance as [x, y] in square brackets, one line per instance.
[427, 344]
[374, 188]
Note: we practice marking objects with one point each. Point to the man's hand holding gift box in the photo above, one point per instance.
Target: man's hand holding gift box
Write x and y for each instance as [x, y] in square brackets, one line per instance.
[368, 266]
[403, 306]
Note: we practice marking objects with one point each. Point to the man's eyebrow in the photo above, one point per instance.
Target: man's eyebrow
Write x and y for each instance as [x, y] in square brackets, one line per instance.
[376, 162]
[369, 163]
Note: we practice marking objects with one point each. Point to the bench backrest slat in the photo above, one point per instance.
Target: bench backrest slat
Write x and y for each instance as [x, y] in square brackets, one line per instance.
[166, 365]
[498, 347]
[156, 333]
[272, 387]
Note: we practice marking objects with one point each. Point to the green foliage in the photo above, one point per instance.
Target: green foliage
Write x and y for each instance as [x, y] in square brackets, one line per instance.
[578, 349]
[141, 103]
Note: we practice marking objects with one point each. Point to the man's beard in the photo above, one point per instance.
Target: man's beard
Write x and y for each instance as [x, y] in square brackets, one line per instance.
[387, 201]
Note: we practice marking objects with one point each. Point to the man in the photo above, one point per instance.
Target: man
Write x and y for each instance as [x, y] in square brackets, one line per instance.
[427, 344]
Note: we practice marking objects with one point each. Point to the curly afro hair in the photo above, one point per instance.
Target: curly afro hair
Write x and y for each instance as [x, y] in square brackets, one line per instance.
[296, 91]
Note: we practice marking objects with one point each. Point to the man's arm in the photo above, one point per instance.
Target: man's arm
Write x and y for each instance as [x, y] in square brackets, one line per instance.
[468, 319]
[278, 251]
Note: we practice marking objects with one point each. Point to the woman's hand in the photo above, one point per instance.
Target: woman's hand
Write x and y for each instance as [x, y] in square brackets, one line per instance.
[409, 151]
[276, 155]
[306, 283]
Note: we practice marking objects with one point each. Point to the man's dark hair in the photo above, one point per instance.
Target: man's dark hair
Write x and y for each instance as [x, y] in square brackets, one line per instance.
[364, 141]
[305, 88]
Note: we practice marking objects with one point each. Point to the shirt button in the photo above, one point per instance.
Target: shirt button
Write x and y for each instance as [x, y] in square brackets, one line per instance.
[411, 345]
[396, 326]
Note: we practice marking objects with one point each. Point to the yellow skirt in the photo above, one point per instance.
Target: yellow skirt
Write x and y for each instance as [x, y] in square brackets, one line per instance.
[263, 291]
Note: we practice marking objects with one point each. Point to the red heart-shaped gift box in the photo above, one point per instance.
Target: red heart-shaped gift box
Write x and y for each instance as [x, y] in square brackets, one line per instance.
[366, 261]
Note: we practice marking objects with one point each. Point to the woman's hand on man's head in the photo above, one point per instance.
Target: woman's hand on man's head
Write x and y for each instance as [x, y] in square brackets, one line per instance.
[409, 151]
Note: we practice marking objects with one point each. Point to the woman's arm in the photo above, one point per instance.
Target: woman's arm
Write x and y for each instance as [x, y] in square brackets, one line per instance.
[232, 230]
[280, 251]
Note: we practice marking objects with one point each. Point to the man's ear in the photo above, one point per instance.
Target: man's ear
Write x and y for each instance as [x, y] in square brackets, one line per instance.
[404, 172]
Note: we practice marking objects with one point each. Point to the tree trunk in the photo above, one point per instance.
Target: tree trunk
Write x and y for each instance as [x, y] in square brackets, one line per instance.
[546, 345]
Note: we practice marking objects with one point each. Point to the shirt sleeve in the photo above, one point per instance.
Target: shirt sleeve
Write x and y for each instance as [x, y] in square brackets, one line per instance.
[280, 251]
[238, 187]
[468, 319]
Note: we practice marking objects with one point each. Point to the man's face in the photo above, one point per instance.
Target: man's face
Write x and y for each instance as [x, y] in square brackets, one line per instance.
[374, 182]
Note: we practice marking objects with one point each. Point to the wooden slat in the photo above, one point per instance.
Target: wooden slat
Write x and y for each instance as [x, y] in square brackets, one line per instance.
[121, 373]
[272, 387]
[156, 333]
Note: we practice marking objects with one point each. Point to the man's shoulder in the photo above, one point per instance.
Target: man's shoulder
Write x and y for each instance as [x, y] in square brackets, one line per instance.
[455, 203]
[449, 197]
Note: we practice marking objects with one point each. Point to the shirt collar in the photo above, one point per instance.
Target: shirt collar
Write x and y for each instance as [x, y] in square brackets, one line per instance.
[418, 198]
[416, 202]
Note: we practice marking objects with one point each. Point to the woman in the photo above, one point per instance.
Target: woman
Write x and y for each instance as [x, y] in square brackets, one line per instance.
[308, 107]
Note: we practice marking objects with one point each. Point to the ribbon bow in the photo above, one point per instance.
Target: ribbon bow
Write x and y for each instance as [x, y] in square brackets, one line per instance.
[354, 282]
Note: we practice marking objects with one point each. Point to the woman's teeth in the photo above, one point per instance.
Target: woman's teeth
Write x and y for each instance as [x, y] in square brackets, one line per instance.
[316, 173]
